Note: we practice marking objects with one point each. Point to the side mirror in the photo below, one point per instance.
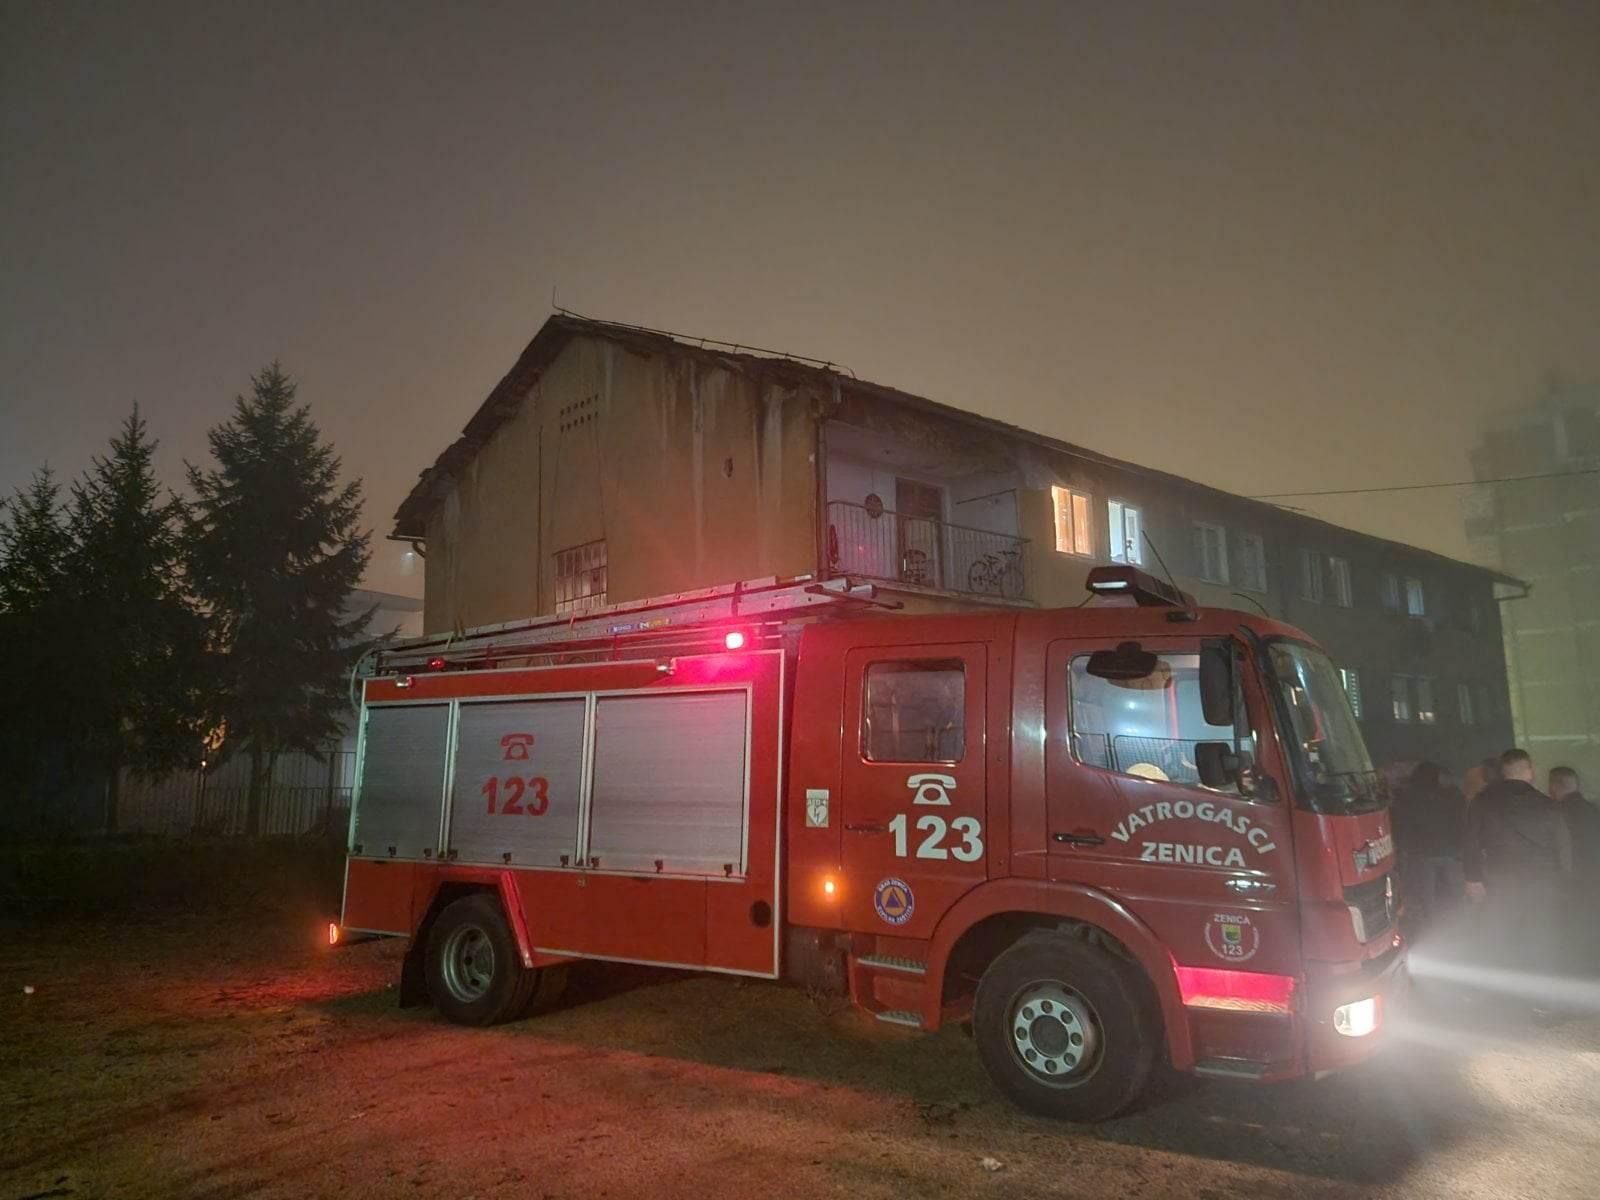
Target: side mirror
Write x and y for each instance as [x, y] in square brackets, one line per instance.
[1217, 764]
[1128, 662]
[1216, 683]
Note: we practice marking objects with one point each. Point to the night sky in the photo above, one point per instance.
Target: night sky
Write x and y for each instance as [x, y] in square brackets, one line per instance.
[1267, 245]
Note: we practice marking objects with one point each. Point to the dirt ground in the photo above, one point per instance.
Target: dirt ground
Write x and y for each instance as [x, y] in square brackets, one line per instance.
[195, 1056]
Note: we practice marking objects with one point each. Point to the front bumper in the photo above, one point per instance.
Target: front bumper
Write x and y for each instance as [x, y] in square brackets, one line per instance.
[1269, 1048]
[1328, 986]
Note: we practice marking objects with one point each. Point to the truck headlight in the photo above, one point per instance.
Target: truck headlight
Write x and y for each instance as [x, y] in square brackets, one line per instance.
[1357, 1019]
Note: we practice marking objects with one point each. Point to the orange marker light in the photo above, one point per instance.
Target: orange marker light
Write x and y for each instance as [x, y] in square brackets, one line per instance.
[734, 640]
[333, 933]
[827, 886]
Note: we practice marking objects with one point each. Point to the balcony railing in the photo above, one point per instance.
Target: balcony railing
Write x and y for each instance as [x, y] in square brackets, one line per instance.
[878, 544]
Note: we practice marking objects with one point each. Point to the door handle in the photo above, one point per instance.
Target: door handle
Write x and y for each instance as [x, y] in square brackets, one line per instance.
[868, 827]
[1080, 839]
[1249, 887]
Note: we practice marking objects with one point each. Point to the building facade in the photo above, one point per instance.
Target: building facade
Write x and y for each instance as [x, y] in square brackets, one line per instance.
[1546, 530]
[613, 464]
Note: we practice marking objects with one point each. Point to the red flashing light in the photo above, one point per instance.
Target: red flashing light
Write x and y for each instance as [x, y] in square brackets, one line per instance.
[436, 663]
[733, 640]
[1236, 991]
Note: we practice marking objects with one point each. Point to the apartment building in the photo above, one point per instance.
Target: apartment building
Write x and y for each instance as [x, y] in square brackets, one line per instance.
[1543, 525]
[613, 463]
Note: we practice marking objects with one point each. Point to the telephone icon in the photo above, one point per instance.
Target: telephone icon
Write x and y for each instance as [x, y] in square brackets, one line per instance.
[516, 746]
[931, 788]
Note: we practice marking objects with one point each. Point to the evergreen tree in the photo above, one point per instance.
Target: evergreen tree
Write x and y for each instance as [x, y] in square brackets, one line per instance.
[33, 547]
[34, 544]
[274, 553]
[140, 641]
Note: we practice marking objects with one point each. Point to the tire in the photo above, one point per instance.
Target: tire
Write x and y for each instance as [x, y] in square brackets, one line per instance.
[547, 990]
[474, 971]
[1086, 1019]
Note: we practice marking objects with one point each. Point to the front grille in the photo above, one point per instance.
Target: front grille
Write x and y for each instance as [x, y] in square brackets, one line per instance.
[1370, 908]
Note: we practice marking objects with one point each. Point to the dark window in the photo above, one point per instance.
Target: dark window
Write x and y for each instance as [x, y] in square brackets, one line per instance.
[581, 578]
[914, 711]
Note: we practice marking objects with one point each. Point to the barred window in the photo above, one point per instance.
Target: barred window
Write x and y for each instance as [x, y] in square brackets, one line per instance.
[581, 577]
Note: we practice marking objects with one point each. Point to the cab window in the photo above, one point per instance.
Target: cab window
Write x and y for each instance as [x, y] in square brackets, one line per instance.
[1144, 727]
[914, 710]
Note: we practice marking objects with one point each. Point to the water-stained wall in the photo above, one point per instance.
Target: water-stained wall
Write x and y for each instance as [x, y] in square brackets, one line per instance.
[693, 470]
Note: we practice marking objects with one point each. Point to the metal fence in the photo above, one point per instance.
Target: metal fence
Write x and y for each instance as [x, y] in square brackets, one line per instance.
[302, 795]
[876, 543]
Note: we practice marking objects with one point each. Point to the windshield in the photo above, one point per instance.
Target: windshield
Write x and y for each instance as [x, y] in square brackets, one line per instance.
[1331, 759]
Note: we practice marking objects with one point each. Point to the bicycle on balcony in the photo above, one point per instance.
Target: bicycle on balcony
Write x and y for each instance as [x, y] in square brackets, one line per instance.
[997, 573]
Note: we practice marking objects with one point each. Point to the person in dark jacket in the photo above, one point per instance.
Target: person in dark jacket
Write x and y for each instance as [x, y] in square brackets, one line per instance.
[1581, 907]
[1429, 822]
[1583, 822]
[1516, 855]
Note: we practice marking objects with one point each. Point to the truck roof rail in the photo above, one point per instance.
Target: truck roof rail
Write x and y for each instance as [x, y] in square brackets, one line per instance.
[660, 622]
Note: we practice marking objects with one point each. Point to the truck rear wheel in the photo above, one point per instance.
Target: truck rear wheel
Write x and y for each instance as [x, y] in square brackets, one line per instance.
[1065, 1029]
[474, 970]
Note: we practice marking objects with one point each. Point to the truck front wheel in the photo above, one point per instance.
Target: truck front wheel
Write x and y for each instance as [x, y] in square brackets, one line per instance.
[474, 971]
[1065, 1029]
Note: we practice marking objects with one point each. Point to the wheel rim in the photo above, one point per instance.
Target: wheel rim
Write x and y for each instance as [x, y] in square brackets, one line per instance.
[1055, 1034]
[468, 962]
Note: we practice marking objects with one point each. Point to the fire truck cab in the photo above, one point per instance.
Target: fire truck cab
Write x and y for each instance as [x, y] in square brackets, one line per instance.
[1100, 834]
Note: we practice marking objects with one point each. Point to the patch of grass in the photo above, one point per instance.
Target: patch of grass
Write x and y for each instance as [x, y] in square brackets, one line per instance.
[41, 882]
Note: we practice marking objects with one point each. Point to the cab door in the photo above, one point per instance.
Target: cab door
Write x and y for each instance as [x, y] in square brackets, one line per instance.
[1210, 869]
[913, 799]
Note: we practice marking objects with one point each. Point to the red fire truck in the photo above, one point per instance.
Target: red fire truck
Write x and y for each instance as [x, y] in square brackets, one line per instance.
[1100, 833]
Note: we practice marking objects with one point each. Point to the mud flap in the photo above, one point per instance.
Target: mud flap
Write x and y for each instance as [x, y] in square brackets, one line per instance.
[413, 982]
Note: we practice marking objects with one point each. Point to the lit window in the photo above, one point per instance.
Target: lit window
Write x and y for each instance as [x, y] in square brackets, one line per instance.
[1127, 533]
[1339, 591]
[1413, 699]
[1252, 562]
[581, 578]
[1415, 607]
[1311, 576]
[1351, 679]
[1425, 710]
[1400, 694]
[1211, 551]
[1074, 532]
[1464, 701]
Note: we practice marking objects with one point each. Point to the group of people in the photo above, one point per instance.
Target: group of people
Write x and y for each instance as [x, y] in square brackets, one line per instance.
[1526, 861]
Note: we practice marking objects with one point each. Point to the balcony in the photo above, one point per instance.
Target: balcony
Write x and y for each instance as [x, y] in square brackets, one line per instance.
[874, 543]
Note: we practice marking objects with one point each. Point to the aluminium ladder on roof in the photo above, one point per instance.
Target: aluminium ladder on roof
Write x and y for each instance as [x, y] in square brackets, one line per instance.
[765, 598]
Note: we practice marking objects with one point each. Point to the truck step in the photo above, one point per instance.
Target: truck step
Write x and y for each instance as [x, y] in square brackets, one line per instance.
[887, 962]
[1230, 1068]
[901, 1017]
